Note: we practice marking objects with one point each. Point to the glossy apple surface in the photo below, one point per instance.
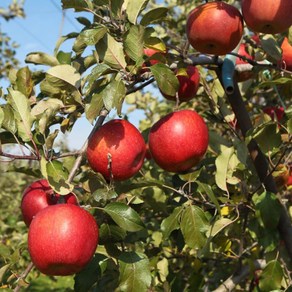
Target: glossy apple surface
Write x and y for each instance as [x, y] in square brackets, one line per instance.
[155, 55]
[289, 181]
[179, 140]
[116, 150]
[62, 239]
[286, 55]
[38, 196]
[214, 28]
[189, 81]
[267, 16]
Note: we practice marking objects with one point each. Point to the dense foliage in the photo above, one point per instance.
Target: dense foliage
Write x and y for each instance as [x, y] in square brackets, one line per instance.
[159, 231]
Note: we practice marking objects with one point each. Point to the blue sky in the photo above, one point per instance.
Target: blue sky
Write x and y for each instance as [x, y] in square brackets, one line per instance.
[39, 31]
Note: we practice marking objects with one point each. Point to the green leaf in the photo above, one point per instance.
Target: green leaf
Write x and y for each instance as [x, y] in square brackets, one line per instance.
[4, 251]
[134, 41]
[93, 109]
[289, 126]
[218, 226]
[44, 111]
[206, 189]
[116, 7]
[268, 209]
[134, 272]
[9, 122]
[104, 194]
[124, 216]
[24, 81]
[171, 222]
[271, 276]
[216, 140]
[194, 225]
[221, 163]
[62, 39]
[83, 20]
[133, 9]
[22, 114]
[111, 234]
[266, 132]
[271, 47]
[154, 15]
[111, 52]
[40, 58]
[97, 71]
[113, 95]
[85, 279]
[77, 5]
[279, 81]
[66, 73]
[94, 35]
[3, 270]
[64, 58]
[57, 176]
[165, 78]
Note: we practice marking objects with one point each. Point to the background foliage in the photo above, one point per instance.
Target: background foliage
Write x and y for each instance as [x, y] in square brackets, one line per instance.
[158, 231]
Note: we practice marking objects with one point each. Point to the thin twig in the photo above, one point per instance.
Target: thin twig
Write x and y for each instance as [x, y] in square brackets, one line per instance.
[78, 160]
[22, 157]
[23, 276]
[238, 276]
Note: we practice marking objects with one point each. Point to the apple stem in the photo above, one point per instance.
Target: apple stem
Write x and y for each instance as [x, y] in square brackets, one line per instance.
[109, 166]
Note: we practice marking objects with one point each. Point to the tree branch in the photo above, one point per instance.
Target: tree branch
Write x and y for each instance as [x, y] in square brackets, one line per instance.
[78, 160]
[260, 162]
[238, 276]
[23, 276]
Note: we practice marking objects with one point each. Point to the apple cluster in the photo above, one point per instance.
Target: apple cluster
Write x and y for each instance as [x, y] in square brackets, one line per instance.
[62, 236]
[260, 16]
[177, 142]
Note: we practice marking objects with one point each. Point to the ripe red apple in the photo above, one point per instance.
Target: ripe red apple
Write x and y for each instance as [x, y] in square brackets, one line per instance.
[243, 75]
[274, 112]
[116, 150]
[214, 28]
[267, 16]
[155, 56]
[38, 196]
[286, 55]
[62, 239]
[189, 81]
[179, 140]
[289, 181]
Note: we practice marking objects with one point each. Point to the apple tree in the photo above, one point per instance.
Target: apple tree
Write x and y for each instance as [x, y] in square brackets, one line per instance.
[216, 220]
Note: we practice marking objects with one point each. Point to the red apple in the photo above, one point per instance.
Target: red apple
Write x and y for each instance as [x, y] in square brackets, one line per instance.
[189, 81]
[274, 112]
[179, 140]
[62, 239]
[243, 75]
[38, 196]
[286, 55]
[267, 16]
[116, 150]
[289, 181]
[214, 28]
[154, 55]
